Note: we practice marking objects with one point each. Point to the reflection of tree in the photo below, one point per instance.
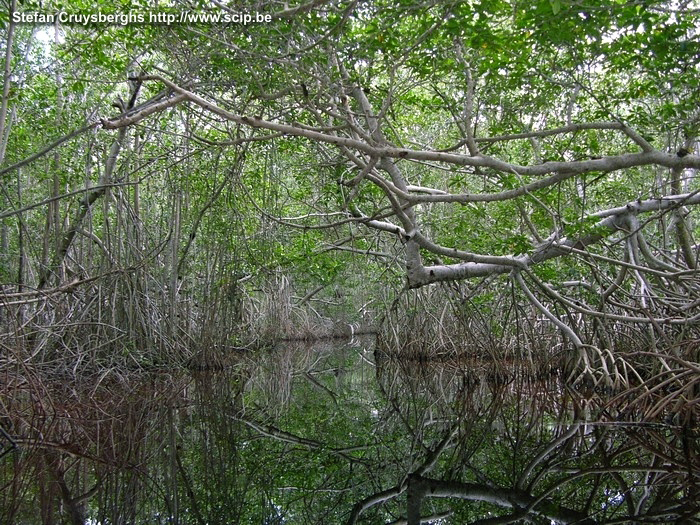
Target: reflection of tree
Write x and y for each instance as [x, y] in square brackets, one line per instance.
[478, 443]
[81, 439]
[530, 460]
[210, 482]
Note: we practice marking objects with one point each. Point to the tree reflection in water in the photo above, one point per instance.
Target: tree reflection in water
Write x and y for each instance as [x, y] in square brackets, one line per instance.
[341, 434]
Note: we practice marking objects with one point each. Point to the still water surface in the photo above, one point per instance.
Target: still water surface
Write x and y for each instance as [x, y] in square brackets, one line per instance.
[340, 433]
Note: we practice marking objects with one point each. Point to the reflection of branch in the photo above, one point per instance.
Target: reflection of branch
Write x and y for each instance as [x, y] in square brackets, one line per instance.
[428, 464]
[281, 435]
[434, 454]
[322, 387]
[507, 498]
[374, 499]
[433, 518]
[554, 444]
[75, 505]
[188, 489]
[425, 519]
[502, 520]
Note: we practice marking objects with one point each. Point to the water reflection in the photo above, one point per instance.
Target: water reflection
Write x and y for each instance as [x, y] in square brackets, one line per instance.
[341, 433]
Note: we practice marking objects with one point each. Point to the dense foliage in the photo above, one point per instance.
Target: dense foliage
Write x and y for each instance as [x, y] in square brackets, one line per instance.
[467, 138]
[181, 181]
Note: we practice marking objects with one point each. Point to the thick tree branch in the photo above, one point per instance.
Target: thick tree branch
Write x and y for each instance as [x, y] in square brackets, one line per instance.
[399, 192]
[604, 164]
[612, 221]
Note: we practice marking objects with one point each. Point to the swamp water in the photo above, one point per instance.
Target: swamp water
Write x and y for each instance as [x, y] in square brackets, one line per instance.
[341, 433]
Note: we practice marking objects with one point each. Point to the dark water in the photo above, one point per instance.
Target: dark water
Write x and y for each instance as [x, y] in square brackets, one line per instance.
[339, 433]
